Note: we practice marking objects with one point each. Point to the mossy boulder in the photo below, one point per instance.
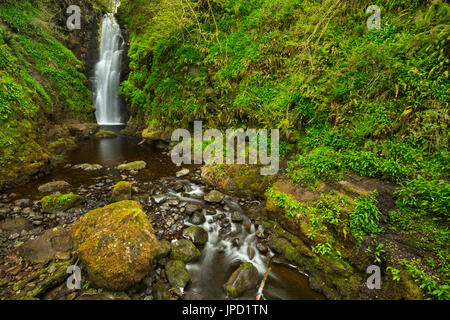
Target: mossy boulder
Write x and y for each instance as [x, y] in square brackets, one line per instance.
[196, 234]
[184, 250]
[177, 273]
[88, 167]
[243, 279]
[116, 243]
[132, 166]
[121, 191]
[60, 202]
[105, 134]
[214, 196]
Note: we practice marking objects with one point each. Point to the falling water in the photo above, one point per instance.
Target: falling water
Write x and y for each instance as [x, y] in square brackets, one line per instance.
[107, 74]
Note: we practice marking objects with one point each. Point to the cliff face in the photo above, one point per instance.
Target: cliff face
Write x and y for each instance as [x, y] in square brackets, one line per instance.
[44, 87]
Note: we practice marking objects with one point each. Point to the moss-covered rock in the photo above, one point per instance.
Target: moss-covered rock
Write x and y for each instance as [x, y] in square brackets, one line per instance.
[60, 202]
[243, 279]
[121, 191]
[53, 186]
[177, 273]
[116, 244]
[196, 234]
[105, 134]
[184, 250]
[132, 166]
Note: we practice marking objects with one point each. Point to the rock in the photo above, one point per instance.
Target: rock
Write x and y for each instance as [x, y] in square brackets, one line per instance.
[261, 247]
[53, 186]
[251, 252]
[164, 249]
[177, 274]
[260, 232]
[105, 134]
[182, 173]
[53, 244]
[132, 166]
[184, 250]
[196, 234]
[236, 216]
[243, 279]
[87, 167]
[116, 243]
[197, 218]
[214, 196]
[104, 295]
[161, 290]
[23, 203]
[192, 207]
[121, 191]
[15, 225]
[160, 198]
[60, 202]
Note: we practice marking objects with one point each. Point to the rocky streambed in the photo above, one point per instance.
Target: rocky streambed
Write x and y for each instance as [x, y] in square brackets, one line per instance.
[139, 228]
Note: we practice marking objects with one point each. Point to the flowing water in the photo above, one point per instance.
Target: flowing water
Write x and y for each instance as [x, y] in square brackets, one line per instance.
[107, 74]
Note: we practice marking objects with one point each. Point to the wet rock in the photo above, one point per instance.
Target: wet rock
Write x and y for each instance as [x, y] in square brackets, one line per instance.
[236, 216]
[243, 279]
[261, 247]
[116, 243]
[197, 218]
[23, 203]
[160, 198]
[105, 134]
[177, 274]
[121, 191]
[173, 202]
[87, 167]
[214, 196]
[104, 295]
[15, 225]
[163, 250]
[161, 290]
[182, 173]
[196, 234]
[192, 207]
[260, 232]
[60, 202]
[251, 253]
[210, 212]
[136, 166]
[53, 244]
[184, 250]
[53, 186]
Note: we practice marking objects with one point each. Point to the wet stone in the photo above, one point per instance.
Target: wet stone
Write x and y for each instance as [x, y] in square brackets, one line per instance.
[236, 216]
[160, 198]
[197, 218]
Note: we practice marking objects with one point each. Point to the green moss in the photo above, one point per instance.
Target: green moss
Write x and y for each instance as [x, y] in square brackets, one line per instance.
[57, 202]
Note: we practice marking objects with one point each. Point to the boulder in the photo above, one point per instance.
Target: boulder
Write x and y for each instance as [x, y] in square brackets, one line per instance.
[121, 191]
[177, 273]
[243, 279]
[236, 216]
[53, 186]
[184, 250]
[116, 243]
[60, 202]
[182, 173]
[87, 167]
[53, 244]
[214, 196]
[196, 234]
[192, 207]
[132, 166]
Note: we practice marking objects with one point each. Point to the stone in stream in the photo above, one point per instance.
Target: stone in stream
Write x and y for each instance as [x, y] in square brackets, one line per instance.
[192, 207]
[177, 273]
[214, 196]
[184, 250]
[87, 167]
[53, 186]
[132, 166]
[163, 250]
[159, 198]
[236, 216]
[116, 243]
[121, 191]
[197, 218]
[60, 202]
[53, 244]
[105, 134]
[196, 234]
[15, 225]
[22, 203]
[243, 279]
[182, 173]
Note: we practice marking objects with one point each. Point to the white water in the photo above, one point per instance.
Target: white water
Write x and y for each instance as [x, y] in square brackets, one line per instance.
[107, 74]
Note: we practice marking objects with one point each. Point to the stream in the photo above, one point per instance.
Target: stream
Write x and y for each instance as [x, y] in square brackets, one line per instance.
[164, 198]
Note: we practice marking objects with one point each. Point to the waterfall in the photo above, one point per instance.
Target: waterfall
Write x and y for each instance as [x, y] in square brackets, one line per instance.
[107, 74]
